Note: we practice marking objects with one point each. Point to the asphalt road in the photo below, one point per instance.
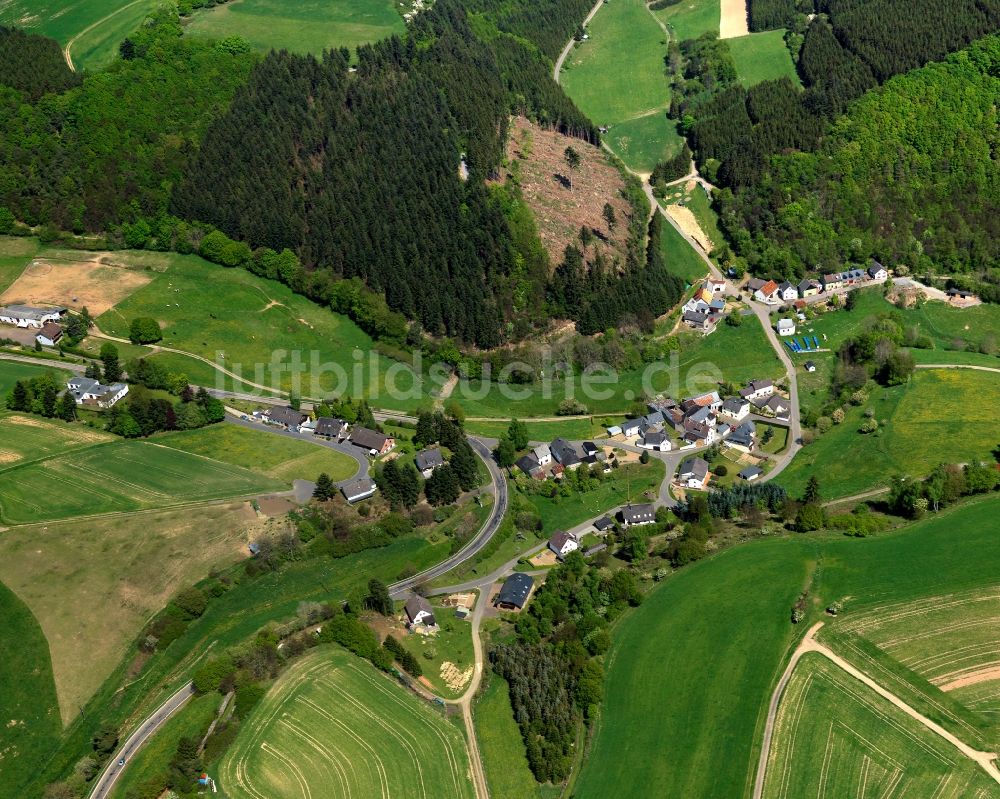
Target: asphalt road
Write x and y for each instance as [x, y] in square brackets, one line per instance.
[132, 744]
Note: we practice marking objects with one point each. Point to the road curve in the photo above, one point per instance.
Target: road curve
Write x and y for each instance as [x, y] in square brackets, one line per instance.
[105, 782]
[569, 45]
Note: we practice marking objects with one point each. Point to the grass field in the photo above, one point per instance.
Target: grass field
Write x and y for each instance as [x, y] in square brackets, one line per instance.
[26, 438]
[28, 704]
[15, 253]
[452, 644]
[332, 726]
[93, 585]
[689, 19]
[762, 56]
[96, 27]
[282, 458]
[922, 424]
[717, 612]
[644, 141]
[501, 745]
[305, 26]
[680, 257]
[946, 324]
[12, 371]
[836, 737]
[571, 429]
[618, 75]
[249, 325]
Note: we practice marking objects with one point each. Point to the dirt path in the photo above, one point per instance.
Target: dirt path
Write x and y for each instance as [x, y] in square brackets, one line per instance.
[974, 678]
[89, 28]
[734, 20]
[855, 497]
[986, 760]
[958, 366]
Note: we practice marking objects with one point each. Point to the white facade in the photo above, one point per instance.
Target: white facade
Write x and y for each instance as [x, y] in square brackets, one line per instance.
[786, 327]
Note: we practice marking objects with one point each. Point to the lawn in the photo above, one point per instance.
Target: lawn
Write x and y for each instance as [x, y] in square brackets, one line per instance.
[305, 26]
[644, 141]
[837, 737]
[332, 726]
[500, 744]
[261, 330]
[951, 326]
[99, 24]
[762, 56]
[719, 632]
[679, 256]
[618, 74]
[28, 704]
[570, 429]
[452, 644]
[631, 480]
[118, 476]
[93, 585]
[280, 457]
[15, 253]
[12, 371]
[689, 19]
[921, 425]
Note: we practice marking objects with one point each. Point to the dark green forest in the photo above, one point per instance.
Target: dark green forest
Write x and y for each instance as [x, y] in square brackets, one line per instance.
[33, 64]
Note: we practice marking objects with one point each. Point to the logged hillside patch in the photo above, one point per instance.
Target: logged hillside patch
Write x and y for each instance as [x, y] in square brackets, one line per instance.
[538, 164]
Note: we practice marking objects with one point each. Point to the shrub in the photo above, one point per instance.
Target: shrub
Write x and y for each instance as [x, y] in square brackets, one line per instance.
[721, 470]
[144, 330]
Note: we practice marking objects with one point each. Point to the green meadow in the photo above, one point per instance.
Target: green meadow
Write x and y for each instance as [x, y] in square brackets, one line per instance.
[15, 254]
[689, 19]
[303, 26]
[644, 141]
[762, 56]
[718, 632]
[28, 705]
[12, 371]
[680, 257]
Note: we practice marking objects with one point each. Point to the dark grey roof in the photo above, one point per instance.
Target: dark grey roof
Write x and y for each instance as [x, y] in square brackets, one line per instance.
[633, 514]
[527, 464]
[429, 459]
[285, 416]
[695, 466]
[751, 471]
[515, 590]
[358, 489]
[654, 439]
[564, 452]
[559, 539]
[695, 317]
[604, 523]
[590, 447]
[743, 434]
[368, 439]
[734, 405]
[415, 604]
[328, 426]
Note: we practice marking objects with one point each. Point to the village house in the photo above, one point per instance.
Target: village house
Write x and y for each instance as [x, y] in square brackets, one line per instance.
[530, 466]
[775, 405]
[657, 441]
[563, 543]
[786, 327]
[637, 515]
[515, 592]
[29, 315]
[788, 291]
[809, 288]
[757, 389]
[630, 427]
[699, 320]
[565, 453]
[832, 281]
[699, 433]
[661, 404]
[750, 473]
[715, 286]
[49, 335]
[768, 293]
[735, 408]
[604, 524]
[614, 430]
[877, 272]
[328, 427]
[419, 612]
[542, 454]
[743, 437]
[87, 391]
[693, 473]
[711, 400]
[359, 489]
[427, 460]
[285, 417]
[374, 442]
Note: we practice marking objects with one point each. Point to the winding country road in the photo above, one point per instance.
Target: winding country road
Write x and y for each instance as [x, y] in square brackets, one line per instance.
[569, 45]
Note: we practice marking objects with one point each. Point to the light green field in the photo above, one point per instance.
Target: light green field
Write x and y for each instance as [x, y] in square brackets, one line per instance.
[12, 371]
[501, 745]
[720, 629]
[300, 26]
[836, 737]
[689, 19]
[762, 56]
[250, 325]
[680, 257]
[15, 254]
[118, 476]
[618, 75]
[27, 696]
[334, 727]
[570, 429]
[280, 457]
[26, 438]
[931, 420]
[945, 323]
[95, 27]
[644, 141]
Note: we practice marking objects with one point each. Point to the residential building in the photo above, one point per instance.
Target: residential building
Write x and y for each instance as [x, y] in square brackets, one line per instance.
[768, 293]
[285, 417]
[29, 315]
[715, 286]
[750, 473]
[877, 272]
[328, 427]
[693, 473]
[542, 454]
[788, 291]
[786, 327]
[590, 448]
[757, 389]
[49, 335]
[565, 453]
[809, 288]
[735, 408]
[604, 524]
[419, 611]
[832, 281]
[743, 437]
[699, 320]
[87, 391]
[530, 466]
[755, 284]
[630, 427]
[359, 489]
[637, 515]
[515, 592]
[563, 543]
[710, 400]
[657, 441]
[371, 440]
[427, 460]
[776, 405]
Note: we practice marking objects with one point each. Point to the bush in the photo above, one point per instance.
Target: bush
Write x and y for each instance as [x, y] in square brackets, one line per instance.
[247, 697]
[144, 330]
[721, 470]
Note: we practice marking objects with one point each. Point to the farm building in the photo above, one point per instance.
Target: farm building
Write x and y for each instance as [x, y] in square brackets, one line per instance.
[563, 543]
[374, 442]
[515, 592]
[87, 391]
[786, 327]
[285, 417]
[427, 460]
[29, 315]
[750, 473]
[359, 489]
[49, 335]
[419, 611]
[637, 515]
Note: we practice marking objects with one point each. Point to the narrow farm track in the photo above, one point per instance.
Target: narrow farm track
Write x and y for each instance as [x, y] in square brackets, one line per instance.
[569, 45]
[986, 760]
[69, 45]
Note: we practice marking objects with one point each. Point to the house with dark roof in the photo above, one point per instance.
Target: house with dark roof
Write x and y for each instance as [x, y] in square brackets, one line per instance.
[604, 524]
[631, 427]
[809, 288]
[427, 460]
[693, 473]
[285, 417]
[372, 441]
[743, 437]
[562, 543]
[832, 281]
[530, 466]
[788, 291]
[810, 366]
[757, 389]
[776, 405]
[750, 473]
[699, 320]
[515, 592]
[359, 489]
[877, 272]
[630, 515]
[87, 391]
[565, 453]
[655, 440]
[328, 427]
[419, 611]
[49, 335]
[735, 408]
